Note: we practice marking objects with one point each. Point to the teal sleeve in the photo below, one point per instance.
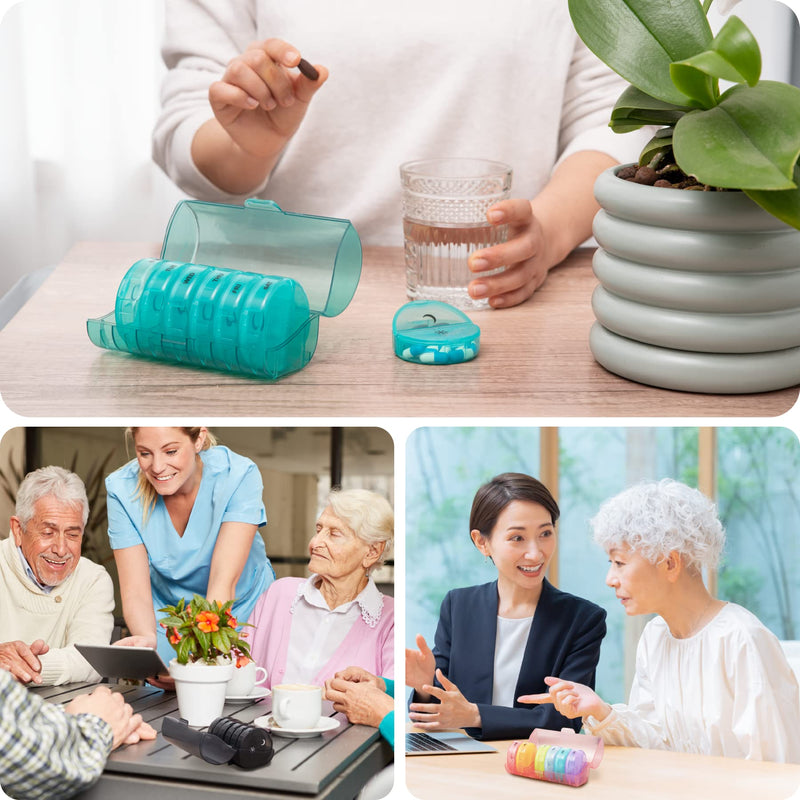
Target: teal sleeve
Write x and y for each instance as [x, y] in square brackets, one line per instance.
[389, 686]
[386, 728]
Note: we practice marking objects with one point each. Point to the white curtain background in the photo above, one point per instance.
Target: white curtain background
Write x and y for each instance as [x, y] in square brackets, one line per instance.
[79, 84]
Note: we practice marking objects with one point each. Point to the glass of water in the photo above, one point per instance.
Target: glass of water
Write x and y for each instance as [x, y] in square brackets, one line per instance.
[444, 220]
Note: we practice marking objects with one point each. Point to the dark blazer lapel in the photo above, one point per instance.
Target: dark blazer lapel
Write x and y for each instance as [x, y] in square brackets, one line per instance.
[482, 655]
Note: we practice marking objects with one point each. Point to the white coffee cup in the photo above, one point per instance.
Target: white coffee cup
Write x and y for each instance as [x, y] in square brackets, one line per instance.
[245, 679]
[296, 706]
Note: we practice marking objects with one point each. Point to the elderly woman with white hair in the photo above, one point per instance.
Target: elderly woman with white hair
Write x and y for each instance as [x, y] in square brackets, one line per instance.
[308, 629]
[710, 678]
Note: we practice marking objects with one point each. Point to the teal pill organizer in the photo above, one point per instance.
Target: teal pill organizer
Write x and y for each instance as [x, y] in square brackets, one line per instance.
[237, 288]
[432, 332]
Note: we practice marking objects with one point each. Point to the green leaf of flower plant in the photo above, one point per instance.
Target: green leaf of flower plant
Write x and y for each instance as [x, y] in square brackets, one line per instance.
[785, 205]
[220, 642]
[183, 650]
[694, 83]
[738, 47]
[634, 109]
[654, 146]
[204, 640]
[749, 140]
[639, 39]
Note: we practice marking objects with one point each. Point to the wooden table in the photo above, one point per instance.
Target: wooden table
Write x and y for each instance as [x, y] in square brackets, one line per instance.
[333, 766]
[534, 360]
[625, 773]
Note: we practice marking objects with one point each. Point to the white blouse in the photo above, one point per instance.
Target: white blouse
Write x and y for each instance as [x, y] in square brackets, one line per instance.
[726, 691]
[317, 631]
[509, 649]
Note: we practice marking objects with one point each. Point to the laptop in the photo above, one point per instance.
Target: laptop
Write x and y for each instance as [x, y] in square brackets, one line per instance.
[445, 743]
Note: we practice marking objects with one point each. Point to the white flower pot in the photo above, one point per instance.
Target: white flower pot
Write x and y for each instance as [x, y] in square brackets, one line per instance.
[699, 291]
[201, 690]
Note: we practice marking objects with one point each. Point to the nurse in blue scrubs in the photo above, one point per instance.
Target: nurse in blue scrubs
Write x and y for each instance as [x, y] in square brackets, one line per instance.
[183, 519]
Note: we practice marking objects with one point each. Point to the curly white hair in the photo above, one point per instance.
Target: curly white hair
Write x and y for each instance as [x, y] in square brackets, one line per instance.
[656, 517]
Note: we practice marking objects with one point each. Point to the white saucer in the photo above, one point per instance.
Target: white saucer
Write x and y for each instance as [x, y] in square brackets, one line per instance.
[324, 724]
[258, 693]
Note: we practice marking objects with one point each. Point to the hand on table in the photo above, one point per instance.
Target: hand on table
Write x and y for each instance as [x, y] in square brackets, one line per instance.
[127, 727]
[362, 702]
[420, 665]
[570, 699]
[361, 675]
[21, 660]
[525, 256]
[261, 99]
[452, 711]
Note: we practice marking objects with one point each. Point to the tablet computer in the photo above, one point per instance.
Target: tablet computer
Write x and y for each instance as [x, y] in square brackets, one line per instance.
[122, 662]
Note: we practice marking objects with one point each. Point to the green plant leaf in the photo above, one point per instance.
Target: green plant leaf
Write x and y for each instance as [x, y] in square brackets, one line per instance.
[220, 642]
[183, 650]
[656, 145]
[634, 109]
[748, 141]
[694, 83]
[785, 205]
[738, 47]
[639, 39]
[204, 640]
[172, 622]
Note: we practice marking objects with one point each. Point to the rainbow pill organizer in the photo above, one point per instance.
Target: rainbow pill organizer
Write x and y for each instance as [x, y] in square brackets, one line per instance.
[433, 332]
[556, 756]
[237, 288]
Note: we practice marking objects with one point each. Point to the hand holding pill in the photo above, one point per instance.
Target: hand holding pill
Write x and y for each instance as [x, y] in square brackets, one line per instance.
[263, 96]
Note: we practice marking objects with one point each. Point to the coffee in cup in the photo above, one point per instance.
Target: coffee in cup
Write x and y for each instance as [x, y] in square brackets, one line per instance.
[296, 706]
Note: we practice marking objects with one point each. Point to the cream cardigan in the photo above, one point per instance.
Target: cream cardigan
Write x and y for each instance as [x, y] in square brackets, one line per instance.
[79, 610]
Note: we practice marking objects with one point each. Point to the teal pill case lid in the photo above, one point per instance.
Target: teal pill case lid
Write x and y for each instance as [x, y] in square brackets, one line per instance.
[433, 332]
[322, 254]
[312, 264]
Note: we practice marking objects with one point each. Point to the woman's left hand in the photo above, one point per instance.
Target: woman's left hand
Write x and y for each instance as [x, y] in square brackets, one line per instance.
[525, 256]
[453, 710]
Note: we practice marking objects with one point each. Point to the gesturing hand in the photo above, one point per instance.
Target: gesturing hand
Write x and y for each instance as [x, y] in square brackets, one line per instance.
[420, 665]
[570, 699]
[452, 711]
[21, 659]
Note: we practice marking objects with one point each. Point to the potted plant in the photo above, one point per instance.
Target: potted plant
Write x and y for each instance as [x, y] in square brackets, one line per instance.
[698, 266]
[207, 645]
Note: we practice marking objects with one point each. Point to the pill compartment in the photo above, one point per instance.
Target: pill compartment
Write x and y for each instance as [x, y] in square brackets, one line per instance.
[555, 756]
[433, 332]
[237, 288]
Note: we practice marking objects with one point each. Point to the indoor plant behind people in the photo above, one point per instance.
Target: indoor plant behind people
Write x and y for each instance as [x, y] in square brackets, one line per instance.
[700, 288]
[207, 645]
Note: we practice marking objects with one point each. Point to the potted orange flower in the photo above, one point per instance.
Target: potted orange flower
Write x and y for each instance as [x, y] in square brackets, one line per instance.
[207, 644]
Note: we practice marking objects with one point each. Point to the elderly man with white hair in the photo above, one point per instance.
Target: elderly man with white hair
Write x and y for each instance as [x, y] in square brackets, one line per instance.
[50, 597]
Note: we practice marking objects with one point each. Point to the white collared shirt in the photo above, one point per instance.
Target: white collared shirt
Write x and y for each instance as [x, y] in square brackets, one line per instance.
[30, 573]
[317, 631]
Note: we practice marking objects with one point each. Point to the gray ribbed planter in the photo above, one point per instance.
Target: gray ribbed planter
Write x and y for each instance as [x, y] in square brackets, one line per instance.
[699, 291]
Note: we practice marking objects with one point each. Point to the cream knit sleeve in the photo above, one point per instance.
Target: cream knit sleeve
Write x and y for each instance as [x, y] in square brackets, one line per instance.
[88, 619]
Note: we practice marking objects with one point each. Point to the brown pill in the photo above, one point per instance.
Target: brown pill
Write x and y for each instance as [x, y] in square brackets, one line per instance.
[307, 70]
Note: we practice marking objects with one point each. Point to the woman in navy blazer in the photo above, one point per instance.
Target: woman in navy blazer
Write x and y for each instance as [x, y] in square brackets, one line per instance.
[468, 678]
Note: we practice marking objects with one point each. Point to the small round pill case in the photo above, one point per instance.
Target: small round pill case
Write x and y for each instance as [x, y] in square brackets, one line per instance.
[432, 332]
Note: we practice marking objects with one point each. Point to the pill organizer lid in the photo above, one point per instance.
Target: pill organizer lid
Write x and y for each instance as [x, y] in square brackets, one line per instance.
[322, 254]
[433, 322]
[566, 737]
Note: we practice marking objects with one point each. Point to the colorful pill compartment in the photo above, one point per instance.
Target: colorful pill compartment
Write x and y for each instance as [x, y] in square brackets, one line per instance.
[237, 288]
[433, 332]
[559, 757]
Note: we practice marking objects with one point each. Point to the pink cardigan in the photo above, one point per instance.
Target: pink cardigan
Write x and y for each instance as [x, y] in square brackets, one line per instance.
[369, 647]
